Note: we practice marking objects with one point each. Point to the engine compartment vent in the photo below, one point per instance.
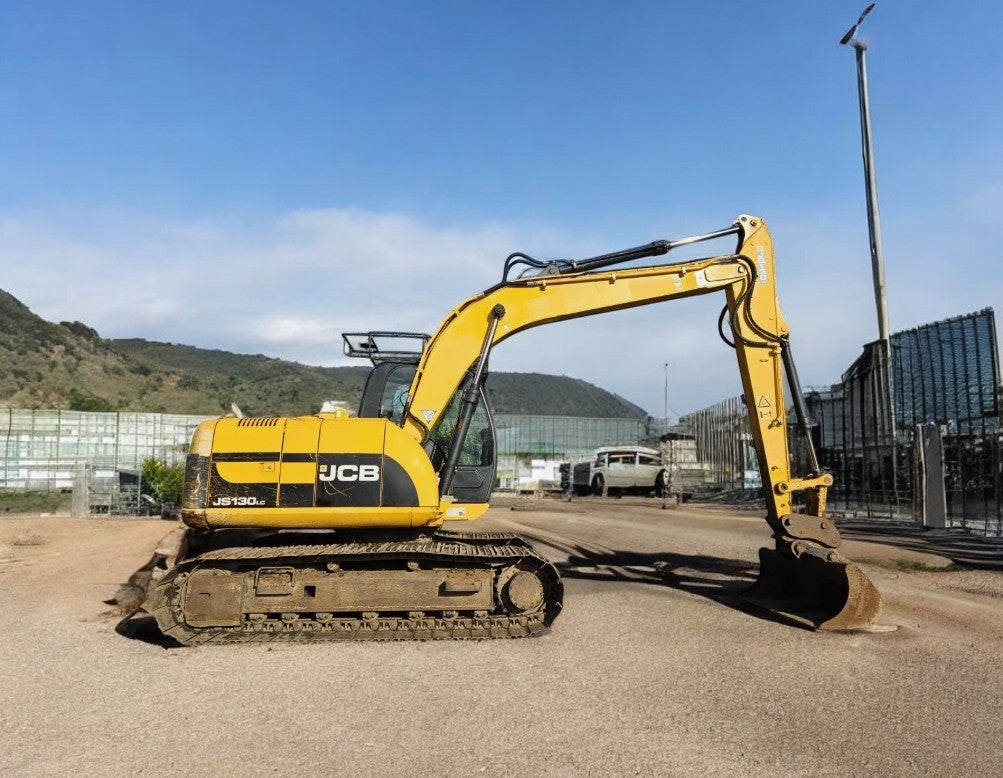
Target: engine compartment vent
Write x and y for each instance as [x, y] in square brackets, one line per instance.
[269, 421]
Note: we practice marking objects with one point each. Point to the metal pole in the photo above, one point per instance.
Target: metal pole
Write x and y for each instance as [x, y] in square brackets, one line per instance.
[877, 257]
[666, 397]
[670, 444]
[873, 217]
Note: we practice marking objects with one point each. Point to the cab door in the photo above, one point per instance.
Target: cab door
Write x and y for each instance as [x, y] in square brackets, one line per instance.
[477, 466]
[385, 396]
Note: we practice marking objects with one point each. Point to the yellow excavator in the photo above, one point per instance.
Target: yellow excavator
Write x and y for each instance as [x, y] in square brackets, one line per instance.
[330, 526]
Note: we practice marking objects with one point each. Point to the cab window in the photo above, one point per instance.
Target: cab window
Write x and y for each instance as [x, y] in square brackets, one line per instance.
[395, 393]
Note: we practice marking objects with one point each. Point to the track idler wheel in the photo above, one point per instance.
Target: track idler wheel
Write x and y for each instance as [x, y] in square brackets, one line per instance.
[523, 592]
[831, 594]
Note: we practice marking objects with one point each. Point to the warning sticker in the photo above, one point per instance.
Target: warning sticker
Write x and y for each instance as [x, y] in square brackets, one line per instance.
[763, 401]
[428, 415]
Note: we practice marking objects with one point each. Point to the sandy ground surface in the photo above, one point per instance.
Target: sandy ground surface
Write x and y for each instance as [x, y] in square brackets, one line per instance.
[643, 674]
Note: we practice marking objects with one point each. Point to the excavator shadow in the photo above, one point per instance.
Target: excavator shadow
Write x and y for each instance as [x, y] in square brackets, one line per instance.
[719, 580]
[142, 627]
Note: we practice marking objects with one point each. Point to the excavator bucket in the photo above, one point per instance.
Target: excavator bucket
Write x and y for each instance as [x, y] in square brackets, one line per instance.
[133, 593]
[814, 592]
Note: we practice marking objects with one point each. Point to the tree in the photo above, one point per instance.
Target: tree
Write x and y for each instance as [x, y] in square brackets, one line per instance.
[163, 481]
[85, 401]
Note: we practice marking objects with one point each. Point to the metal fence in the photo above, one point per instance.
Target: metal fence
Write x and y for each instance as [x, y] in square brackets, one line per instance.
[45, 450]
[563, 437]
[948, 373]
[723, 442]
[945, 379]
[531, 448]
[853, 438]
[929, 452]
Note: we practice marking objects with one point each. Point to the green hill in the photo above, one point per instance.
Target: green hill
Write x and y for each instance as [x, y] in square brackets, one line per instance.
[260, 385]
[553, 395]
[68, 365]
[45, 365]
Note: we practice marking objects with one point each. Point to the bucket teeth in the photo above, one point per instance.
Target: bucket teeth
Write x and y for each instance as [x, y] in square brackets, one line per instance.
[814, 592]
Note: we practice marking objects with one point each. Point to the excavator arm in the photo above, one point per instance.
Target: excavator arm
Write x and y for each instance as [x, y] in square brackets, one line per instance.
[804, 577]
[748, 280]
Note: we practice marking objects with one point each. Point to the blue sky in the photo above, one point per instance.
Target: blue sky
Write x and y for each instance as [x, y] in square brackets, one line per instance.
[261, 176]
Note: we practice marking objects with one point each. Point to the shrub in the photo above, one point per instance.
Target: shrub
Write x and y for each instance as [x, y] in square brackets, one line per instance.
[163, 481]
[85, 401]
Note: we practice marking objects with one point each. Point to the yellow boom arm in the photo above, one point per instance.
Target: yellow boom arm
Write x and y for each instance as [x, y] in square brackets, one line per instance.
[804, 578]
[748, 280]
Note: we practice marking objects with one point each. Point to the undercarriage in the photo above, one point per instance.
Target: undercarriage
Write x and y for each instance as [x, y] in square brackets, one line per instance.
[310, 586]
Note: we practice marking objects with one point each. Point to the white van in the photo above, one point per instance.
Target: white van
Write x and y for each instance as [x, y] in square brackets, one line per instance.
[622, 469]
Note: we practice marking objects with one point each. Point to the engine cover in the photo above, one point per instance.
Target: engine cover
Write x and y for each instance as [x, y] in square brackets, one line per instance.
[325, 471]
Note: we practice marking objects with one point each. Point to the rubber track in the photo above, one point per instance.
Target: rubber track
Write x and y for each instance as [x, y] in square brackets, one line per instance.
[444, 548]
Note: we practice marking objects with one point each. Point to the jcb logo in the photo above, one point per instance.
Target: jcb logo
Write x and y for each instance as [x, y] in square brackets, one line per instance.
[349, 473]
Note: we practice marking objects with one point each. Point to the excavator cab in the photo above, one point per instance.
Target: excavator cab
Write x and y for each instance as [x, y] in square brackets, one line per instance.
[385, 396]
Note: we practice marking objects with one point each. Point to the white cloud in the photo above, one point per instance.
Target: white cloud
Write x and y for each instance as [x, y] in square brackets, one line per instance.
[297, 331]
[288, 285]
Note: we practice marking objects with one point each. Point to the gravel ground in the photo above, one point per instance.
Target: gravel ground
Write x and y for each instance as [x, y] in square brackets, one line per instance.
[643, 673]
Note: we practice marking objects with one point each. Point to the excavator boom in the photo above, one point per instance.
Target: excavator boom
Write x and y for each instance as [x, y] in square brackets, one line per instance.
[804, 578]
